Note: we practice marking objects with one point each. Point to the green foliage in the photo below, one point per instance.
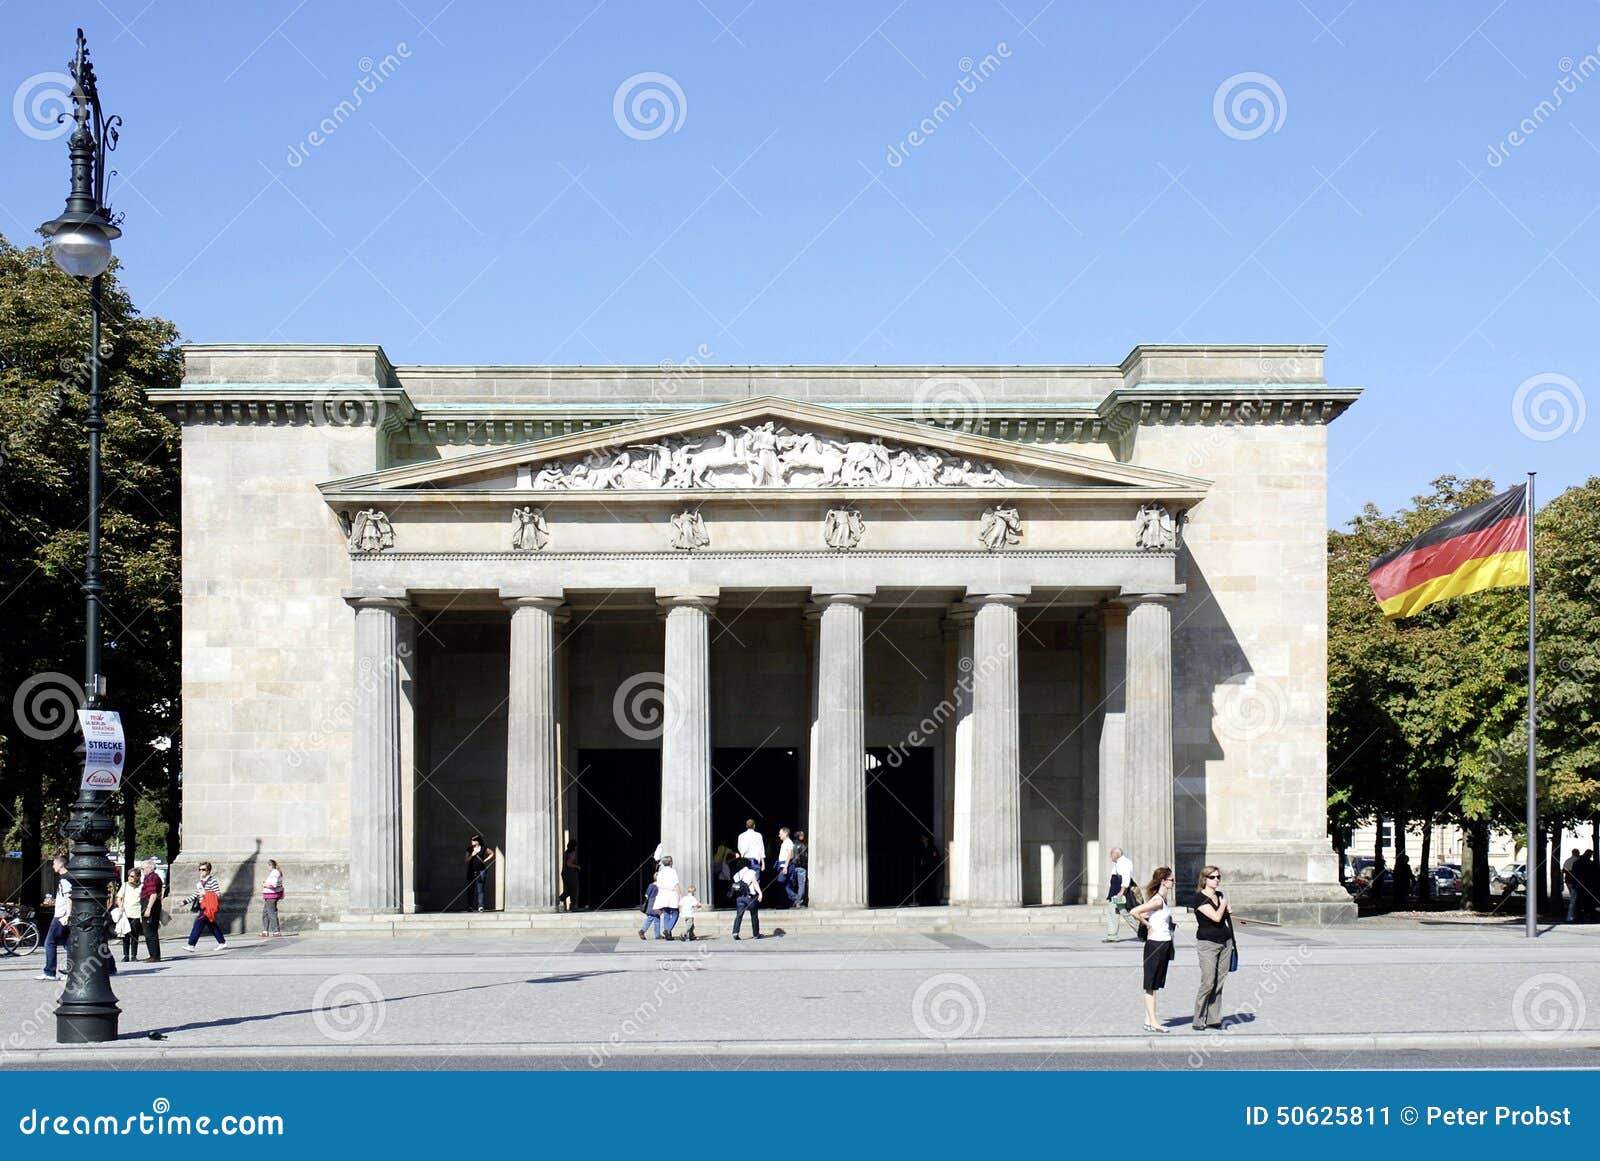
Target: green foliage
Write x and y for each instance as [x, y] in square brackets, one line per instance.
[44, 377]
[1427, 715]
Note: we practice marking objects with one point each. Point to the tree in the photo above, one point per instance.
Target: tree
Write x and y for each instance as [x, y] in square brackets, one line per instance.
[1427, 716]
[44, 376]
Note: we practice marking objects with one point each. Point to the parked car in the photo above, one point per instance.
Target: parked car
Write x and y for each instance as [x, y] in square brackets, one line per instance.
[1511, 878]
[1446, 881]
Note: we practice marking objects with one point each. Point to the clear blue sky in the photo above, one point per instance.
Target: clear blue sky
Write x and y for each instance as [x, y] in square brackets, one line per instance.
[482, 205]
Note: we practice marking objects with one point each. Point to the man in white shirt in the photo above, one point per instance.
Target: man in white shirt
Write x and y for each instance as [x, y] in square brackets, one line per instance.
[752, 847]
[59, 932]
[1116, 900]
[785, 855]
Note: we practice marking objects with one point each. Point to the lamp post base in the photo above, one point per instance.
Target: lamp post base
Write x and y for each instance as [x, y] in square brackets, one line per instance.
[87, 1023]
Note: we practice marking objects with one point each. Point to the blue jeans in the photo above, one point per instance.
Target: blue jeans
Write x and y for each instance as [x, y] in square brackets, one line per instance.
[743, 904]
[795, 888]
[669, 920]
[57, 935]
[653, 919]
[478, 884]
[200, 925]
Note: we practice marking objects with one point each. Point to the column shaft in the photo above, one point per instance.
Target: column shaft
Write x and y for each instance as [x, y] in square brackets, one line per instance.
[686, 739]
[838, 808]
[994, 877]
[375, 870]
[1147, 819]
[532, 844]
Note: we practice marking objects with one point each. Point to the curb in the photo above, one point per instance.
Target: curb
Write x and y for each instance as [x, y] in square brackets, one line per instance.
[1178, 1043]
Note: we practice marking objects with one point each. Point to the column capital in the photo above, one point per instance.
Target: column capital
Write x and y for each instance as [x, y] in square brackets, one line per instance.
[702, 598]
[377, 598]
[1134, 597]
[512, 599]
[859, 597]
[1015, 597]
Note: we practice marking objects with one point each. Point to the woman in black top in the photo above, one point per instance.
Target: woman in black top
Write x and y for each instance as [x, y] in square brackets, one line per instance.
[1213, 936]
[569, 877]
[478, 859]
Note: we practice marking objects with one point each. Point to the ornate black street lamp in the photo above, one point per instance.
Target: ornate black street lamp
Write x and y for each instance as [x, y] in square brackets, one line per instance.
[80, 244]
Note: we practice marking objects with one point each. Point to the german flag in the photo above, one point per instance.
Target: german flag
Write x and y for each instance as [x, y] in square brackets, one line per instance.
[1481, 547]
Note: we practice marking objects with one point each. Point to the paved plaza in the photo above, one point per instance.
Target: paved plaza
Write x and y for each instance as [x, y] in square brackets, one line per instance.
[1399, 992]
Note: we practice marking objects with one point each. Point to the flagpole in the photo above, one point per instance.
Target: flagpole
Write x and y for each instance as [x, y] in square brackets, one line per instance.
[1532, 880]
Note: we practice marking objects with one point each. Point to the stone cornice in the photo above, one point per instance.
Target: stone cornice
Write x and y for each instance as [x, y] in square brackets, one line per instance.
[287, 404]
[338, 493]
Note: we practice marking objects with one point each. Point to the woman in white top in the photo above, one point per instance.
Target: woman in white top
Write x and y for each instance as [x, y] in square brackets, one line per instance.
[128, 921]
[271, 893]
[667, 893]
[1156, 915]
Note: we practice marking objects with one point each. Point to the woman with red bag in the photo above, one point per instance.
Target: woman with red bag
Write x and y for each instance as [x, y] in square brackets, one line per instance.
[207, 900]
[271, 892]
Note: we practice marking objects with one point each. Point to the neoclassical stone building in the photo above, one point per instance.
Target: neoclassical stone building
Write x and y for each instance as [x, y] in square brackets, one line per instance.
[968, 626]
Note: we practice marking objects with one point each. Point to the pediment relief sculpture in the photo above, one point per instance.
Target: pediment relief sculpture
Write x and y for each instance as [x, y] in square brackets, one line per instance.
[768, 455]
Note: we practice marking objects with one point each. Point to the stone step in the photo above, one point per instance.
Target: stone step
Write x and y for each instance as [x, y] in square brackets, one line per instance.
[622, 923]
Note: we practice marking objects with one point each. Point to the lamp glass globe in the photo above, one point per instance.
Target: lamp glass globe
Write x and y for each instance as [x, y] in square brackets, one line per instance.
[81, 251]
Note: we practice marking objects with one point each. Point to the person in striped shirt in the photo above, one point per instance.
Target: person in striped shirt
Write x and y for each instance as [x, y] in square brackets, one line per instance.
[207, 899]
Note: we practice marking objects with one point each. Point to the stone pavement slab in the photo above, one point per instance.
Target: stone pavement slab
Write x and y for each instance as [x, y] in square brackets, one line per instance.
[424, 1000]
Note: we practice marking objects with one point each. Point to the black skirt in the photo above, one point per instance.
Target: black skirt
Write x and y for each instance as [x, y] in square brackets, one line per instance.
[1157, 955]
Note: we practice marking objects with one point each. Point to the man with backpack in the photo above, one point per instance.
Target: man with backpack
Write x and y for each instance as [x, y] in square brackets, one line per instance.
[747, 897]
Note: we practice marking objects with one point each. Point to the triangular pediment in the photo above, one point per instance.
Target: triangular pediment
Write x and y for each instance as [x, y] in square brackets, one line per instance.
[767, 444]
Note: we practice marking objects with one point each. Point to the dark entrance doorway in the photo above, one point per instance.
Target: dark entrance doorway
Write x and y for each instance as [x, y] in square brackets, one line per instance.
[760, 784]
[616, 814]
[905, 867]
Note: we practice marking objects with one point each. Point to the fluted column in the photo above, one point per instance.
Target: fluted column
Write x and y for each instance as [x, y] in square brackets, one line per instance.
[532, 845]
[686, 735]
[838, 832]
[994, 877]
[1147, 818]
[376, 884]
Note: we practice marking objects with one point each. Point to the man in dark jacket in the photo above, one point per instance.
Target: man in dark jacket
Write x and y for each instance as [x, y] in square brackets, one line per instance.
[795, 885]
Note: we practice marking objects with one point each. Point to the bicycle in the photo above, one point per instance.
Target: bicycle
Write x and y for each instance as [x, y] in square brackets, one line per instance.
[18, 936]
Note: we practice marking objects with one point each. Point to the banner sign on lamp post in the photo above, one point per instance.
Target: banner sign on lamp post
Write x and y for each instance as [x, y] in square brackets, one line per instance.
[104, 749]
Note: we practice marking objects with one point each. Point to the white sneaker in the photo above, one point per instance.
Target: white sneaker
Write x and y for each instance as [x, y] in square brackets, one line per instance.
[43, 976]
[219, 949]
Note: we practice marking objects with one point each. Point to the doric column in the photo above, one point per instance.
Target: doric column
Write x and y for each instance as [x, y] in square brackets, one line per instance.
[1147, 811]
[533, 764]
[959, 683]
[994, 877]
[686, 734]
[376, 755]
[1112, 756]
[838, 832]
